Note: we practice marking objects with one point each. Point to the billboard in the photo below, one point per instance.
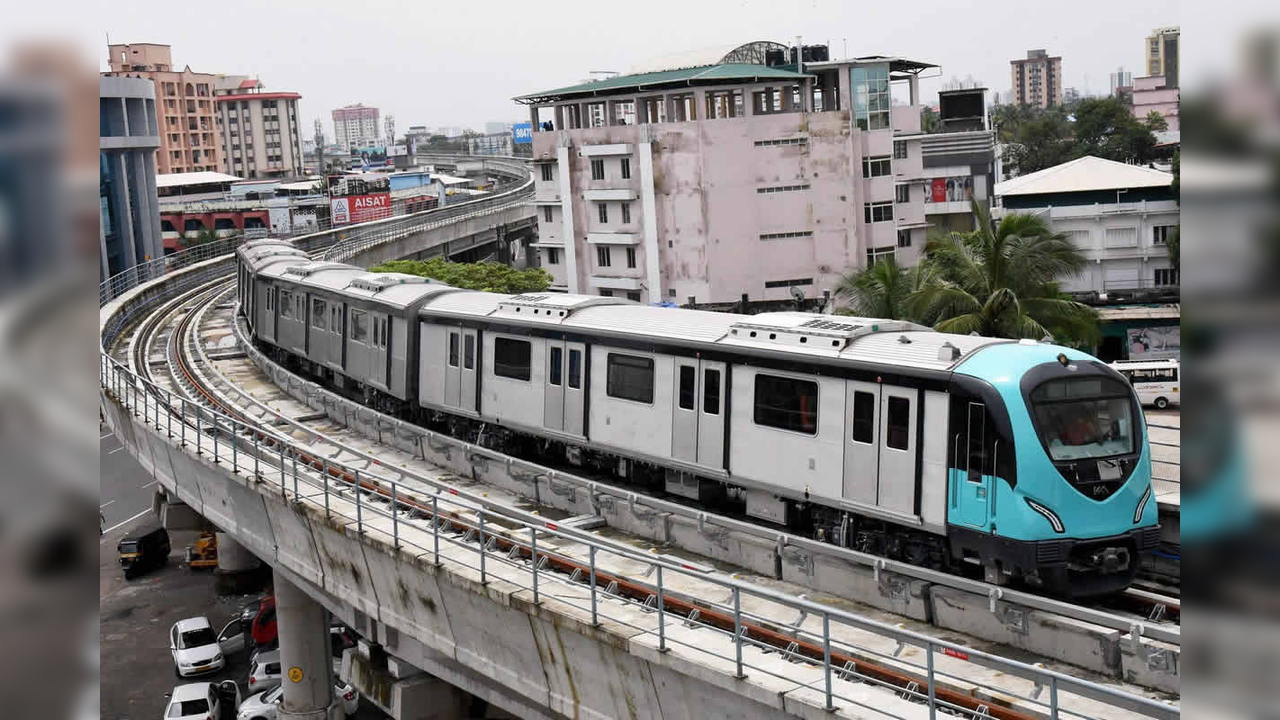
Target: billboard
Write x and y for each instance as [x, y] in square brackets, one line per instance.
[372, 155]
[950, 189]
[522, 133]
[397, 151]
[1155, 343]
[358, 198]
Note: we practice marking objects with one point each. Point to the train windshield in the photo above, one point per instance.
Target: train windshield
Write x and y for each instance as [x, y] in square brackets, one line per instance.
[1081, 418]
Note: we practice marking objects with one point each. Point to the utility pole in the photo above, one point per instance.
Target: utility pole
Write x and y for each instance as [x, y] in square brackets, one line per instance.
[319, 127]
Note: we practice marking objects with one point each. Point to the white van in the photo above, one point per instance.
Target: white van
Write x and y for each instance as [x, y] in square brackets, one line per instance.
[1156, 381]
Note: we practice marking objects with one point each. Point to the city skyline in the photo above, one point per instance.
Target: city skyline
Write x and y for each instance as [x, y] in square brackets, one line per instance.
[471, 87]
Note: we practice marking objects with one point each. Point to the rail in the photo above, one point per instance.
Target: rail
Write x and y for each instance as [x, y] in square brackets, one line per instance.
[1161, 443]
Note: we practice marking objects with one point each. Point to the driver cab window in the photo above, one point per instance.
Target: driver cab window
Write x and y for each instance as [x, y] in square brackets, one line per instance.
[977, 437]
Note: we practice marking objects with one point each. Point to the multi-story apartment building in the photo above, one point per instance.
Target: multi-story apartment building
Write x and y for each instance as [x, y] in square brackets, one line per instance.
[733, 177]
[1121, 82]
[129, 231]
[184, 106]
[1160, 50]
[258, 130]
[1037, 79]
[1156, 94]
[1119, 215]
[356, 126]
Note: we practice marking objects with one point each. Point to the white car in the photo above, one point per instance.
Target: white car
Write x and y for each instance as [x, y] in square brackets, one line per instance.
[201, 701]
[266, 705]
[197, 650]
[264, 671]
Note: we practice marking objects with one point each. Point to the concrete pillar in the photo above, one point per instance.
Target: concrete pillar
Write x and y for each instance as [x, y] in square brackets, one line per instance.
[303, 625]
[642, 111]
[238, 569]
[559, 120]
[533, 119]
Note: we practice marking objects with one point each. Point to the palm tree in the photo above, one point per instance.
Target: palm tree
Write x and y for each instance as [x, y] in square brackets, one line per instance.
[881, 290]
[1001, 280]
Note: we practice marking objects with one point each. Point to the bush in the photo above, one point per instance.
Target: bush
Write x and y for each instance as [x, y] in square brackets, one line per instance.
[487, 276]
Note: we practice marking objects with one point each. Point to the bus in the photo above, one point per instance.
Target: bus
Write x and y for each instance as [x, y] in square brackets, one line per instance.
[1155, 381]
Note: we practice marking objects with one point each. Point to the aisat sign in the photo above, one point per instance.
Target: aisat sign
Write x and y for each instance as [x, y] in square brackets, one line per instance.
[370, 201]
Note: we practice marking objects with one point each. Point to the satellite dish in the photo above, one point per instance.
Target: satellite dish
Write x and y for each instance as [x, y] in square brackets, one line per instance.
[797, 293]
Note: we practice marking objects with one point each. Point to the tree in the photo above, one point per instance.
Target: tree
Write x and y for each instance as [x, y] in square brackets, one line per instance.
[1001, 281]
[203, 235]
[487, 276]
[1103, 127]
[881, 290]
[1155, 122]
[929, 120]
[1106, 128]
[1041, 140]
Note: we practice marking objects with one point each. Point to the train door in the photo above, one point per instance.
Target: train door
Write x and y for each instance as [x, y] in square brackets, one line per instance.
[711, 414]
[470, 370]
[862, 446]
[697, 433]
[970, 483]
[899, 408]
[553, 395]
[453, 367]
[335, 334]
[564, 397]
[378, 349]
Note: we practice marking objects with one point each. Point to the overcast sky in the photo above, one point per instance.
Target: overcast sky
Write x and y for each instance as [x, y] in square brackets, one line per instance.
[460, 63]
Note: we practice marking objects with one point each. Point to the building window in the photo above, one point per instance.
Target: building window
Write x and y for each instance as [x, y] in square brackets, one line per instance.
[902, 193]
[631, 257]
[626, 213]
[877, 212]
[899, 149]
[782, 141]
[603, 258]
[553, 256]
[1166, 277]
[597, 169]
[602, 212]
[511, 358]
[547, 172]
[626, 168]
[633, 295]
[1160, 234]
[781, 188]
[546, 213]
[630, 378]
[782, 235]
[772, 284]
[898, 423]
[870, 86]
[606, 293]
[904, 238]
[786, 403]
[875, 166]
[875, 255]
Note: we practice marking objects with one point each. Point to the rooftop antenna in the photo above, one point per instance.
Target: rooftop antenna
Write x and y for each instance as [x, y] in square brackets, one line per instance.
[846, 49]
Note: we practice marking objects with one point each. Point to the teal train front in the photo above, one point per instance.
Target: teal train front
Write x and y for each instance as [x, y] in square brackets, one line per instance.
[1049, 476]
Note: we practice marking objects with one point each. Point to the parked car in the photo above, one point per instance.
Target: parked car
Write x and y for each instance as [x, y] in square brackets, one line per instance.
[266, 705]
[201, 701]
[196, 649]
[143, 548]
[264, 671]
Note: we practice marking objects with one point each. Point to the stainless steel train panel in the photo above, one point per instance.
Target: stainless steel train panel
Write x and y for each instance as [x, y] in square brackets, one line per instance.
[453, 367]
[898, 423]
[470, 371]
[862, 441]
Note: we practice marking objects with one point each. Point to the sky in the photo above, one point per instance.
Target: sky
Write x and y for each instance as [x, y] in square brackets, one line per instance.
[460, 63]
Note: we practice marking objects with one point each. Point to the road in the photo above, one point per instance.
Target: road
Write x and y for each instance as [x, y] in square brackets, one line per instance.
[126, 487]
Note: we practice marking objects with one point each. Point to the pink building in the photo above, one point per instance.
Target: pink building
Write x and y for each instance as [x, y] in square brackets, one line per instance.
[1151, 93]
[728, 178]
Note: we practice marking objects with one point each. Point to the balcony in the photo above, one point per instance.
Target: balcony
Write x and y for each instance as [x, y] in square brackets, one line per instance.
[610, 195]
[613, 238]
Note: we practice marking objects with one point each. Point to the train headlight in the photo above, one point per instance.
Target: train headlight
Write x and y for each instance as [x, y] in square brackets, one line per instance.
[1048, 514]
[1142, 505]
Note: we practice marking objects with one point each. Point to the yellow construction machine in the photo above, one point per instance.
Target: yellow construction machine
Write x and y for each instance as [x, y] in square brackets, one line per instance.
[203, 553]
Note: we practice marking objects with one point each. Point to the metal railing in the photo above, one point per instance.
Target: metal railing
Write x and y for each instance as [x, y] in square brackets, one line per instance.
[1173, 463]
[426, 514]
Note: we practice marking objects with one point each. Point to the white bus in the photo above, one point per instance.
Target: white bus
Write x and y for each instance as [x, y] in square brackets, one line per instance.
[1156, 381]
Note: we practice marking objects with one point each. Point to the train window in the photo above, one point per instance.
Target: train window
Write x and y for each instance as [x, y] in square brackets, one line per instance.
[688, 377]
[554, 373]
[301, 308]
[359, 326]
[336, 324]
[512, 358]
[711, 392]
[898, 430]
[575, 369]
[270, 292]
[286, 303]
[453, 349]
[318, 313]
[977, 437]
[864, 417]
[630, 378]
[469, 352]
[787, 403]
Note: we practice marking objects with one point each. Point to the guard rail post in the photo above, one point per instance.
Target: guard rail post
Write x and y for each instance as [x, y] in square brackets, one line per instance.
[1053, 698]
[359, 505]
[595, 622]
[737, 632]
[168, 414]
[826, 657]
[199, 428]
[533, 557]
[933, 700]
[662, 616]
[214, 418]
[435, 525]
[257, 454]
[395, 518]
[184, 422]
[235, 451]
[484, 580]
[324, 470]
[294, 455]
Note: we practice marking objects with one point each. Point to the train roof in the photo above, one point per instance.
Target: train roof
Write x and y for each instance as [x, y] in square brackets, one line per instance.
[834, 337]
[396, 290]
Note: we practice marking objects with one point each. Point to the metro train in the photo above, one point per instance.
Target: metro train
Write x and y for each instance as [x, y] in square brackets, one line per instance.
[1015, 461]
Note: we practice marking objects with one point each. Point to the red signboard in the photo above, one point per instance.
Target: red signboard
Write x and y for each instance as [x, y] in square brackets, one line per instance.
[955, 653]
[359, 208]
[939, 190]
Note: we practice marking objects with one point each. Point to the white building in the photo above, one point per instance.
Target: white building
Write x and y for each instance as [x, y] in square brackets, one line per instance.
[1119, 214]
[258, 129]
[356, 126]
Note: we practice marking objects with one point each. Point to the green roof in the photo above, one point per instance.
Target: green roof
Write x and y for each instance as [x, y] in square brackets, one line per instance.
[705, 75]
